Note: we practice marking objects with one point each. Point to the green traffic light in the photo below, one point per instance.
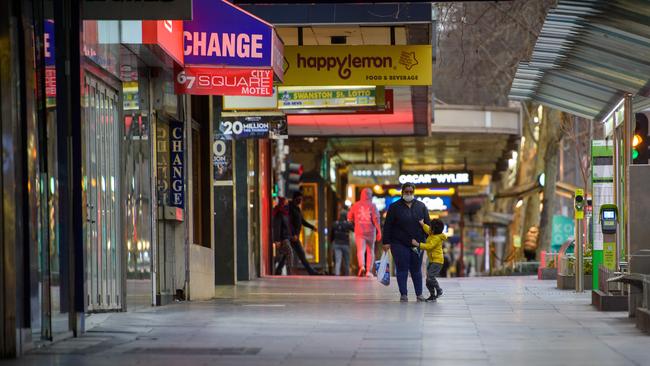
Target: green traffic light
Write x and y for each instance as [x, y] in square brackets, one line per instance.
[635, 154]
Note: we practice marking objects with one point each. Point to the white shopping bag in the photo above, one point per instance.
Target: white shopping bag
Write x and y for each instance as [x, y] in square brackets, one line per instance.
[383, 270]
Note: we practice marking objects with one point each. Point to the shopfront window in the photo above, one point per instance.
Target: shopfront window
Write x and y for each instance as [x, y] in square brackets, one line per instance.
[310, 211]
[138, 164]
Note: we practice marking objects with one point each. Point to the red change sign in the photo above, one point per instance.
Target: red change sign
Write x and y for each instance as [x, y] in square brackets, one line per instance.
[223, 81]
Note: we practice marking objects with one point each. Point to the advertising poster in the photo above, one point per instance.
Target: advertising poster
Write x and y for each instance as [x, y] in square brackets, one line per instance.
[247, 127]
[222, 159]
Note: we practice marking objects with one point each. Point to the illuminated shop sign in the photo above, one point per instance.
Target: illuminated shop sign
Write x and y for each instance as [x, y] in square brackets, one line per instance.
[177, 154]
[50, 68]
[358, 65]
[432, 203]
[327, 97]
[223, 81]
[438, 178]
[372, 174]
[221, 34]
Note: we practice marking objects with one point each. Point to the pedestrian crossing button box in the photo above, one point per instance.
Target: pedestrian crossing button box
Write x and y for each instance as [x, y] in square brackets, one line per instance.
[608, 219]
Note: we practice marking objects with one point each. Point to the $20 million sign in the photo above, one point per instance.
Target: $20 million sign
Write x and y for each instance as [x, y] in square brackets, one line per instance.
[244, 127]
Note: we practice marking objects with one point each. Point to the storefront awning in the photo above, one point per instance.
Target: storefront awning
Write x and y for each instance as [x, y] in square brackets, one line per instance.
[588, 54]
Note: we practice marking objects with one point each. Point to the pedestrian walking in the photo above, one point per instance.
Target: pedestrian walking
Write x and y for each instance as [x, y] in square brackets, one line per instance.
[365, 216]
[281, 237]
[433, 247]
[296, 222]
[401, 228]
[341, 242]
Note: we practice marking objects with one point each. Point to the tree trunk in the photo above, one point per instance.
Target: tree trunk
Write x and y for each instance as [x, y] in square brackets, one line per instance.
[529, 230]
[525, 172]
[551, 169]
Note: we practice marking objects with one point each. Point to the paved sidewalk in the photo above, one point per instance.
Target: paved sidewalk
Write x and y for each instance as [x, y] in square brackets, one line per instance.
[328, 321]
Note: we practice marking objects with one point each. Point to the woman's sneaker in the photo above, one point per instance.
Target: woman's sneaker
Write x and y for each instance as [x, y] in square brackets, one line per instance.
[421, 298]
[431, 298]
[403, 298]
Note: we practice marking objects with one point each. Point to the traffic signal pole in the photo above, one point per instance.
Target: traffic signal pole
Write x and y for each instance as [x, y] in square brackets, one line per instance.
[579, 202]
[617, 193]
[628, 132]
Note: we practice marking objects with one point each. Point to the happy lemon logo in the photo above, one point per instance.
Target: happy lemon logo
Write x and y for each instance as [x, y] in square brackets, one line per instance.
[408, 60]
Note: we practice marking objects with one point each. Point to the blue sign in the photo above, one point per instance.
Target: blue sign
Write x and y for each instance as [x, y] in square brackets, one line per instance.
[223, 34]
[245, 127]
[48, 40]
[563, 229]
[433, 203]
[177, 155]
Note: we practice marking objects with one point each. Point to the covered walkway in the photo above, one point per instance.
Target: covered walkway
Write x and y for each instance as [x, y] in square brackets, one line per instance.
[321, 321]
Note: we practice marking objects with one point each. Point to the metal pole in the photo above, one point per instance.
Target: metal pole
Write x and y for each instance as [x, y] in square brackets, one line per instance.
[579, 270]
[68, 28]
[627, 159]
[462, 238]
[616, 189]
[486, 257]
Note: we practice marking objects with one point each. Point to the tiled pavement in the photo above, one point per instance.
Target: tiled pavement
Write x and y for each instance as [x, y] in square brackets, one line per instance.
[322, 322]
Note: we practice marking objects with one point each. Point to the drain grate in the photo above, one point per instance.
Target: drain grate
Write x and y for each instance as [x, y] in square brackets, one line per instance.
[224, 351]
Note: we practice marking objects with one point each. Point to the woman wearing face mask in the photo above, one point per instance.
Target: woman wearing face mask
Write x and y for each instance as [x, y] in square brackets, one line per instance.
[401, 227]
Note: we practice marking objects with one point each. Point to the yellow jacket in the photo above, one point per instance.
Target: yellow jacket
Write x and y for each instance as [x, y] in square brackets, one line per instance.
[433, 246]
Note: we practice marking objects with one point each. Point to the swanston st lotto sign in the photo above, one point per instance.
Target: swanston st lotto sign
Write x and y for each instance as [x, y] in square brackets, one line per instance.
[358, 65]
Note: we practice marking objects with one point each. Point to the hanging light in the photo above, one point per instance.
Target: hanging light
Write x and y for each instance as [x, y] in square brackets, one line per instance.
[520, 202]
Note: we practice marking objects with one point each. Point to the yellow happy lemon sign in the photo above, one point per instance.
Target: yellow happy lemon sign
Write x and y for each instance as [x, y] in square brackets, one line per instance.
[357, 65]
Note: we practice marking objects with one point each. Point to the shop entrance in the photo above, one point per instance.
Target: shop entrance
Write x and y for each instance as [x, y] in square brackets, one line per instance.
[101, 131]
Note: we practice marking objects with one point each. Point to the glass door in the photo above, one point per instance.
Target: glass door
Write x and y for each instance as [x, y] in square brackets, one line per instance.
[102, 195]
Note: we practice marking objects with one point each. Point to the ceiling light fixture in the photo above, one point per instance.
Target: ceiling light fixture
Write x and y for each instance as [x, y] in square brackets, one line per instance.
[520, 202]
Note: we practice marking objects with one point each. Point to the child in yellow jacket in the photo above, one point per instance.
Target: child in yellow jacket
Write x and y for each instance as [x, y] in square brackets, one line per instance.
[433, 247]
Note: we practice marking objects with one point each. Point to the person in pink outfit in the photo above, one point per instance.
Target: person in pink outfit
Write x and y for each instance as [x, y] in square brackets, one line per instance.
[365, 216]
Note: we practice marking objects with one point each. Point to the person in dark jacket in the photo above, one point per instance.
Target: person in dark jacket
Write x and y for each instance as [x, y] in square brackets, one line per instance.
[401, 227]
[341, 242]
[296, 222]
[282, 237]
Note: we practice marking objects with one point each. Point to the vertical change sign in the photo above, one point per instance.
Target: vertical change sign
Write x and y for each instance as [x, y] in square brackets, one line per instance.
[177, 159]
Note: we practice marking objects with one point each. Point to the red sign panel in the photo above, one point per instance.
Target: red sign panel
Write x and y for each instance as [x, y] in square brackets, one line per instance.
[223, 81]
[168, 34]
[50, 82]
